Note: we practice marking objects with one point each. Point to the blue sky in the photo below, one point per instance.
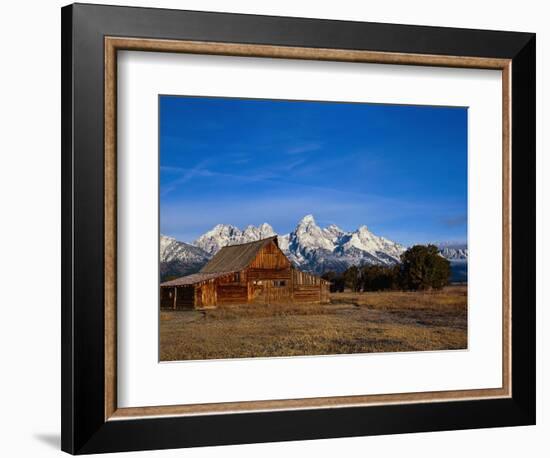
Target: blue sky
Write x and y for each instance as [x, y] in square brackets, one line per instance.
[400, 170]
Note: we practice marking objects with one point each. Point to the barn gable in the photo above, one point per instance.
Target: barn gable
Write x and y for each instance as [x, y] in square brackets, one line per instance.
[236, 257]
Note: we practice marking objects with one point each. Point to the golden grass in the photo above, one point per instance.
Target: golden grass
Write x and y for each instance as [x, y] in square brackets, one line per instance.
[450, 298]
[351, 323]
[257, 311]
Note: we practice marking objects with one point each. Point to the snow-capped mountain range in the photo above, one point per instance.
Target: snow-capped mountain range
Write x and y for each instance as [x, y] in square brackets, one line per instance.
[454, 251]
[318, 250]
[226, 234]
[310, 247]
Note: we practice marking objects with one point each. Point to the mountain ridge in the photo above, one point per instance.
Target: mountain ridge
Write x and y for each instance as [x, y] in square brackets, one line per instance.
[310, 247]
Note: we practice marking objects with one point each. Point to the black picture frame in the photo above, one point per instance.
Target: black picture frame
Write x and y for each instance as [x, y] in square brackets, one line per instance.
[84, 429]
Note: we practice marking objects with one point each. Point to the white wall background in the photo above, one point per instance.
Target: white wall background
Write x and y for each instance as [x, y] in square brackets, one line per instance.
[30, 226]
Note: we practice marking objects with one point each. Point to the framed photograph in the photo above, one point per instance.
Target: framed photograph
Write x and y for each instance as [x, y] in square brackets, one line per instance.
[281, 228]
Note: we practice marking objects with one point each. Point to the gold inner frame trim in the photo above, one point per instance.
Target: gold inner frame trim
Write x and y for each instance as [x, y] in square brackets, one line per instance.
[114, 44]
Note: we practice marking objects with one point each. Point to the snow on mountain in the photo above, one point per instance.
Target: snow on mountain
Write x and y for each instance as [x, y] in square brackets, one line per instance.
[172, 250]
[364, 240]
[310, 247]
[453, 251]
[252, 233]
[318, 250]
[284, 241]
[179, 258]
[457, 254]
[226, 234]
[334, 233]
[309, 236]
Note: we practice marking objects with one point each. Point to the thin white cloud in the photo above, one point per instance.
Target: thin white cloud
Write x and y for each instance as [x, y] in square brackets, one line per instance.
[186, 175]
[304, 148]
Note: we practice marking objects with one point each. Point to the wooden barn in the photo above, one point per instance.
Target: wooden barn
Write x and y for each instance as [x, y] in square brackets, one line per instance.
[251, 273]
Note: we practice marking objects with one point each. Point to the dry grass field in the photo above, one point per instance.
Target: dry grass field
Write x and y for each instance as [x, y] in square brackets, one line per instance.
[352, 323]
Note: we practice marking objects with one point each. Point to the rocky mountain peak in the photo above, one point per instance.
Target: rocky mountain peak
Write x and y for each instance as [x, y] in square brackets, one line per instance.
[308, 219]
[308, 235]
[333, 228]
[334, 232]
[265, 227]
[252, 233]
[307, 224]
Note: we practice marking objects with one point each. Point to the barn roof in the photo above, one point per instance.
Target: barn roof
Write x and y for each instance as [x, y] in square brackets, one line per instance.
[193, 279]
[235, 257]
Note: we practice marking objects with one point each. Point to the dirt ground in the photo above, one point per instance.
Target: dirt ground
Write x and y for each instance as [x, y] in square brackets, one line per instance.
[352, 323]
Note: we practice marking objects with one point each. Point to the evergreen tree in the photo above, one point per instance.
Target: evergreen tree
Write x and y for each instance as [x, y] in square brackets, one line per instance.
[423, 268]
[379, 278]
[352, 278]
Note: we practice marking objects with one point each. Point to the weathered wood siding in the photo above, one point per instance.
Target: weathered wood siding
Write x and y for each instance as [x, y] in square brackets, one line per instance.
[254, 274]
[268, 292]
[309, 288]
[232, 294]
[227, 289]
[270, 257]
[305, 279]
[205, 295]
[307, 294]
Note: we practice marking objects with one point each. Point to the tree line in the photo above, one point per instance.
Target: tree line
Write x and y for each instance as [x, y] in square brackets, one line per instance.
[422, 267]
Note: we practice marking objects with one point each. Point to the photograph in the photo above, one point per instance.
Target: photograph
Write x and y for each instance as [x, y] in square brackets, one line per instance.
[303, 228]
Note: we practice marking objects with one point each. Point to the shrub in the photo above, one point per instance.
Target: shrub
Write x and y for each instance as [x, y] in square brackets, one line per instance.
[423, 267]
